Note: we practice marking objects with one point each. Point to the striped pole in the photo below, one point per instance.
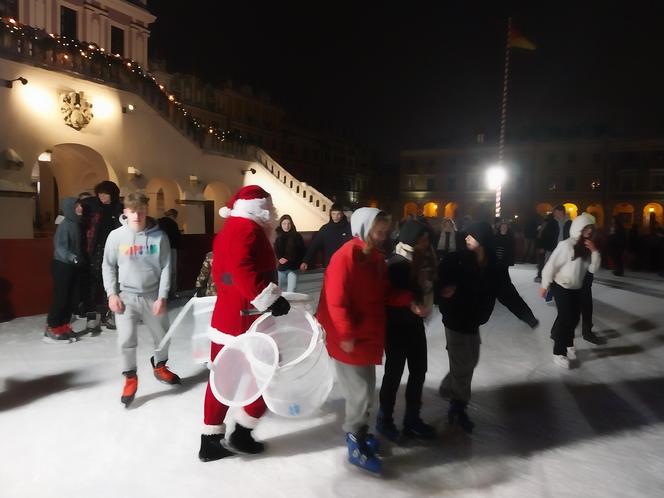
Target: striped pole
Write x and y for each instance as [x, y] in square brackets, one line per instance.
[503, 113]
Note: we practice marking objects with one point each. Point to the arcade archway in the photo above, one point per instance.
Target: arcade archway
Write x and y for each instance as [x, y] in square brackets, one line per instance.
[219, 193]
[430, 210]
[598, 212]
[653, 213]
[625, 212]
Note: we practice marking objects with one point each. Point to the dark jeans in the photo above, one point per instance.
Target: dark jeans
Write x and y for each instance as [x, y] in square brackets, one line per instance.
[405, 341]
[95, 297]
[587, 303]
[529, 250]
[568, 302]
[65, 293]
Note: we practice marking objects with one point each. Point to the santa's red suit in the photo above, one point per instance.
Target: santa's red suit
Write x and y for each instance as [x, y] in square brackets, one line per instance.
[244, 270]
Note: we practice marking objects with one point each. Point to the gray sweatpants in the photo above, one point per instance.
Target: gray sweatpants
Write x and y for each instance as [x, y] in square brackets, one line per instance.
[139, 308]
[357, 384]
[463, 351]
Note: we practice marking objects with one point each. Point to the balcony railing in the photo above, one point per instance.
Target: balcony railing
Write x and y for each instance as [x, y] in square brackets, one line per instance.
[86, 60]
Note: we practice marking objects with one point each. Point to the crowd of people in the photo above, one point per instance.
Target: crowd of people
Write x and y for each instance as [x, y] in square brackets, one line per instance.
[379, 287]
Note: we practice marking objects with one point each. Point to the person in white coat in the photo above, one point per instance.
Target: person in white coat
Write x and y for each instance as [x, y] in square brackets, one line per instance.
[564, 273]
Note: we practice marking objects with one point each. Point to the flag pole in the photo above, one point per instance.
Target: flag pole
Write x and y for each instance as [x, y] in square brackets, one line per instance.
[503, 113]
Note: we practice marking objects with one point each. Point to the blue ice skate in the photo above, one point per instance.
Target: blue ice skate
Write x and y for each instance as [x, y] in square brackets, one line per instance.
[361, 455]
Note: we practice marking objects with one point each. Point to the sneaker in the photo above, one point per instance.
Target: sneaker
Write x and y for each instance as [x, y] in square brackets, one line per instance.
[593, 338]
[241, 441]
[212, 448]
[416, 428]
[457, 415]
[360, 454]
[163, 374]
[571, 353]
[561, 360]
[130, 387]
[385, 427]
[109, 320]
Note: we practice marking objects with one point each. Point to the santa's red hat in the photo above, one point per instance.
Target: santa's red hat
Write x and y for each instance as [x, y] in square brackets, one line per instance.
[249, 197]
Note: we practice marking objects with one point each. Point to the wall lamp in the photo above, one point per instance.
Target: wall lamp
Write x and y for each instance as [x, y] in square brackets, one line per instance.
[135, 172]
[250, 170]
[193, 180]
[128, 108]
[10, 83]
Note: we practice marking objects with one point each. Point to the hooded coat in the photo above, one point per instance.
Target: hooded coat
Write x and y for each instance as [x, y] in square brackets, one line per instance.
[561, 267]
[353, 297]
[67, 238]
[100, 219]
[329, 239]
[476, 286]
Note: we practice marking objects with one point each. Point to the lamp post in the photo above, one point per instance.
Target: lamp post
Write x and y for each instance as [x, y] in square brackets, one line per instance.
[495, 177]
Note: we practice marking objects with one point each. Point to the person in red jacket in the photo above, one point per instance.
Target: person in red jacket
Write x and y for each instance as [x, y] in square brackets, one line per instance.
[244, 271]
[352, 311]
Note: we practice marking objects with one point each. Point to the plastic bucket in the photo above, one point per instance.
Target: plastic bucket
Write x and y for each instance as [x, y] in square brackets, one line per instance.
[243, 369]
[195, 316]
[304, 377]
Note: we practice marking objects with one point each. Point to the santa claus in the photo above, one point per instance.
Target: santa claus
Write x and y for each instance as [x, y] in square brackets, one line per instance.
[244, 270]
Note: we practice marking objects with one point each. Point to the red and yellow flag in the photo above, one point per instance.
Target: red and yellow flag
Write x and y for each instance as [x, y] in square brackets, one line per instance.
[517, 40]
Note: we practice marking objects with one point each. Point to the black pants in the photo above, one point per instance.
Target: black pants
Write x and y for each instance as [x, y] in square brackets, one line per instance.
[95, 297]
[568, 302]
[512, 300]
[405, 341]
[65, 293]
[587, 303]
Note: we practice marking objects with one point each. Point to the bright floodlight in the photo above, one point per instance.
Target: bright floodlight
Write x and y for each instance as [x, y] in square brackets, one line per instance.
[495, 177]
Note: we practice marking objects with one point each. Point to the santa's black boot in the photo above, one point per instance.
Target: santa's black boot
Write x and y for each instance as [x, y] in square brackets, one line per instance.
[241, 441]
[212, 448]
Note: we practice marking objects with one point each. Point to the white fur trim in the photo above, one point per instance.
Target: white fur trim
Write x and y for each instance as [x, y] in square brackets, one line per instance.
[258, 210]
[219, 337]
[267, 297]
[243, 418]
[224, 212]
[214, 429]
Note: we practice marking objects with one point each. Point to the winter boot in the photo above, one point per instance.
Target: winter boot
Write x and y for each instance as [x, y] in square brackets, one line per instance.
[130, 387]
[413, 426]
[457, 415]
[163, 374]
[533, 322]
[108, 320]
[212, 449]
[385, 426]
[361, 455]
[61, 333]
[593, 338]
[92, 325]
[241, 441]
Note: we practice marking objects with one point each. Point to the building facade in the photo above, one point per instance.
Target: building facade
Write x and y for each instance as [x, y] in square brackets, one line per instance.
[604, 177]
[75, 114]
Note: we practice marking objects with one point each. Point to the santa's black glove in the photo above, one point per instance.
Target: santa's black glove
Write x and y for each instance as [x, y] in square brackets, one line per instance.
[280, 307]
[200, 291]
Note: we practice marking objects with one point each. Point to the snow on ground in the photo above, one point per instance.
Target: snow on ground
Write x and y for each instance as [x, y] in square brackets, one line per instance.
[595, 431]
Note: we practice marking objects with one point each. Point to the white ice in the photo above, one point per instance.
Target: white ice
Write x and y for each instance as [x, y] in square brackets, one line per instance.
[596, 431]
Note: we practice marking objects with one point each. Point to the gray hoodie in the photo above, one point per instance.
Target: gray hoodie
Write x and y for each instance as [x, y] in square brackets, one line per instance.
[139, 261]
[67, 238]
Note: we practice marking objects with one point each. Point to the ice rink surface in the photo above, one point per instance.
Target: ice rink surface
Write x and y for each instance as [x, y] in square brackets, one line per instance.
[595, 431]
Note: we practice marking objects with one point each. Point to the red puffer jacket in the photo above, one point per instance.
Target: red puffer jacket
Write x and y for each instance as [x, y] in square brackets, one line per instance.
[352, 304]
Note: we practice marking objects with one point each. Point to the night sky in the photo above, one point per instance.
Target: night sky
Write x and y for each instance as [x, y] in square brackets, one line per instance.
[421, 74]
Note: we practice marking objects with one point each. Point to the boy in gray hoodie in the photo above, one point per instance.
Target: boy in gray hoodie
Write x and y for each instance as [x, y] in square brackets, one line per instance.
[137, 275]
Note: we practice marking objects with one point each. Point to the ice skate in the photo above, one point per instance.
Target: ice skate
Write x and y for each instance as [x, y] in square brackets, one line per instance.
[360, 455]
[130, 387]
[457, 415]
[108, 320]
[212, 448]
[59, 335]
[92, 325]
[241, 441]
[163, 374]
[385, 427]
[593, 338]
[415, 427]
[562, 361]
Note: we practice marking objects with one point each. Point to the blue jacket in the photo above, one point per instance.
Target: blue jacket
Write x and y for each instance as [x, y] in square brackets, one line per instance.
[67, 239]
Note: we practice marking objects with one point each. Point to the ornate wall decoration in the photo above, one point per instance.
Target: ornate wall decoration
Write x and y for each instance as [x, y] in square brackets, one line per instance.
[76, 109]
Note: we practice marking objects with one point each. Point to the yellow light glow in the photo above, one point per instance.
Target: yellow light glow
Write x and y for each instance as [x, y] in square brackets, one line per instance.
[651, 210]
[37, 99]
[171, 98]
[102, 107]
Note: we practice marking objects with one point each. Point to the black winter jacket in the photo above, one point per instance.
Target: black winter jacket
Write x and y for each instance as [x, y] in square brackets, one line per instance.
[329, 238]
[472, 303]
[289, 245]
[549, 237]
